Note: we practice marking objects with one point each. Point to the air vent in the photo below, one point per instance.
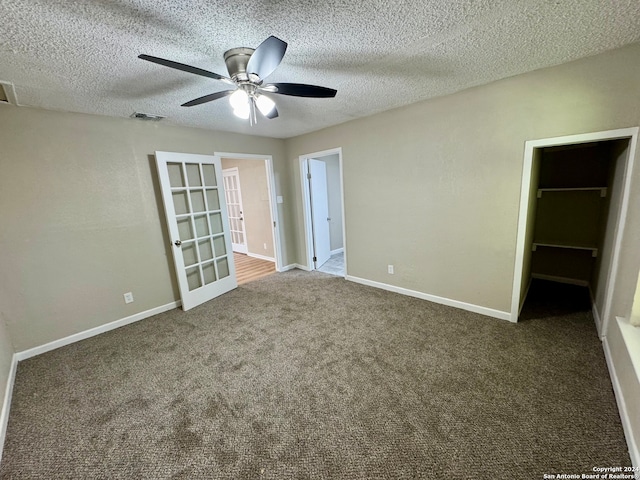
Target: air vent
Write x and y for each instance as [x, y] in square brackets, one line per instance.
[147, 116]
[8, 93]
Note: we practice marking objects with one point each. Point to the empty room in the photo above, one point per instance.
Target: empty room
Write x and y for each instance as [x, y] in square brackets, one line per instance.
[441, 200]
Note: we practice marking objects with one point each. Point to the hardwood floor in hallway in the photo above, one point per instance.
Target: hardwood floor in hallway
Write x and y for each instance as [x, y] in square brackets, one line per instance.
[249, 268]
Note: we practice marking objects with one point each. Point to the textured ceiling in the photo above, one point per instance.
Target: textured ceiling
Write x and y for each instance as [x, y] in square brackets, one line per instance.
[81, 55]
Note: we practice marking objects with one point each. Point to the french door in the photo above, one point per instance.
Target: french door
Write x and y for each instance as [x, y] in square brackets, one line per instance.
[233, 195]
[198, 224]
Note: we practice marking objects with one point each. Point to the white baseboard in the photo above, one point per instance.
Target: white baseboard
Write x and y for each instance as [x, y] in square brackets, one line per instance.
[490, 312]
[634, 452]
[293, 266]
[6, 404]
[261, 257]
[76, 337]
[336, 251]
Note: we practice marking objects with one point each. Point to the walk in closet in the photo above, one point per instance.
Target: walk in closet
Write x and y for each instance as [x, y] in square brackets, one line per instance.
[570, 210]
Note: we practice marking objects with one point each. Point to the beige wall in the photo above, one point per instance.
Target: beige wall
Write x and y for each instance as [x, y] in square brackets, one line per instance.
[82, 218]
[255, 204]
[445, 211]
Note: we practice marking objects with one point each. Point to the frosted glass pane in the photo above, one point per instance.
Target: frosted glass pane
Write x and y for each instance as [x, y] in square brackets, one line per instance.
[189, 253]
[216, 222]
[223, 267]
[219, 246]
[193, 175]
[176, 177]
[202, 229]
[184, 228]
[206, 252]
[180, 204]
[212, 200]
[193, 278]
[197, 201]
[209, 273]
[209, 175]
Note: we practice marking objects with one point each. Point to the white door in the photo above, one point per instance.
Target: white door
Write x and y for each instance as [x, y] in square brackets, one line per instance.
[319, 211]
[234, 207]
[194, 204]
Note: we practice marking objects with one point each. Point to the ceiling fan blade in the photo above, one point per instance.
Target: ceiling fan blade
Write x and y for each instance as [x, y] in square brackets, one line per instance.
[185, 68]
[267, 57]
[208, 98]
[301, 90]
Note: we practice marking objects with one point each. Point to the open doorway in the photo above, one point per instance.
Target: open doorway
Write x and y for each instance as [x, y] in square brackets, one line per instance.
[323, 204]
[575, 193]
[251, 202]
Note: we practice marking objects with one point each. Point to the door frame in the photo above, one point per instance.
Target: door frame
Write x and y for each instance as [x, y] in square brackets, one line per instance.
[530, 146]
[273, 209]
[306, 205]
[236, 171]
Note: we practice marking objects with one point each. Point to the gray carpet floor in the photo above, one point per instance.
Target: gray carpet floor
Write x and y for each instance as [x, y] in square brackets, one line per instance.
[305, 375]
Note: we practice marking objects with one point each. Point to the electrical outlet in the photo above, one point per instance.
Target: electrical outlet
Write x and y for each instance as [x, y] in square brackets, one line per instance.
[128, 297]
[265, 246]
[390, 269]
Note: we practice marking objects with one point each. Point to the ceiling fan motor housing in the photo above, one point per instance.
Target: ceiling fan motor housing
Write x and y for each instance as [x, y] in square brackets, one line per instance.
[236, 60]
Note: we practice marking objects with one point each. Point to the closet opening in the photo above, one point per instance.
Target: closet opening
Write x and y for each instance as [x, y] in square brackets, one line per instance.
[572, 216]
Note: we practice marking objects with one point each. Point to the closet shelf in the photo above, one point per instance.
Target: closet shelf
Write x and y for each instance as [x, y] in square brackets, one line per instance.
[603, 190]
[573, 246]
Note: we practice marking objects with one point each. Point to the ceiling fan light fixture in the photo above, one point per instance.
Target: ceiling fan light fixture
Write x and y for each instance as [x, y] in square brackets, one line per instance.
[239, 100]
[242, 112]
[265, 104]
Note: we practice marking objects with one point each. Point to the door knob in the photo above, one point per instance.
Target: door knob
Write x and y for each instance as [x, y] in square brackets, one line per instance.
[177, 243]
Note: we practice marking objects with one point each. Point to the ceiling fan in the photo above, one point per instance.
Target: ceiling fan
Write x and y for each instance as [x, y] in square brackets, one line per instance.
[248, 68]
